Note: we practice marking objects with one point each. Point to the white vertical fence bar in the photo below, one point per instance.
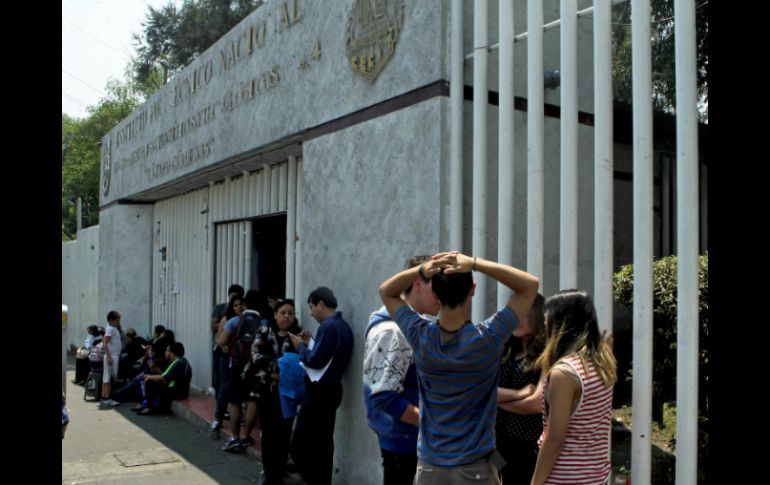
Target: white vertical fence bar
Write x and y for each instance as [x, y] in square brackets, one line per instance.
[603, 164]
[480, 90]
[258, 192]
[291, 225]
[211, 287]
[703, 201]
[283, 178]
[247, 262]
[232, 199]
[456, 88]
[643, 234]
[535, 125]
[275, 174]
[505, 146]
[245, 189]
[569, 175]
[299, 294]
[230, 250]
[687, 253]
[251, 202]
[221, 270]
[266, 189]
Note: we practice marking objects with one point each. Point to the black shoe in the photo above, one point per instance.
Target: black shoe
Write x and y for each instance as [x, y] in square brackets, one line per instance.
[246, 442]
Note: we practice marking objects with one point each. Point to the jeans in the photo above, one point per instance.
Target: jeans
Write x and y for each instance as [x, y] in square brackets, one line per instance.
[224, 375]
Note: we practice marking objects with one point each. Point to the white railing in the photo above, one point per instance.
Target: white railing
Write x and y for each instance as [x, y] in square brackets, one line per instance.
[687, 201]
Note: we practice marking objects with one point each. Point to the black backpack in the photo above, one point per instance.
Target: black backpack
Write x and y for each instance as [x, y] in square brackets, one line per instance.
[242, 339]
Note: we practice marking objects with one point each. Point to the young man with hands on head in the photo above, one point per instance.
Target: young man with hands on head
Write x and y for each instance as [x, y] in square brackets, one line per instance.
[457, 364]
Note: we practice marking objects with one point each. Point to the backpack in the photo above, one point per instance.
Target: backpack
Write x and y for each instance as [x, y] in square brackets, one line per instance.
[242, 339]
[97, 353]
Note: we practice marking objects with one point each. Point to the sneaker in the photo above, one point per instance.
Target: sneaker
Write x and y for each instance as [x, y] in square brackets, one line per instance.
[108, 403]
[233, 444]
[246, 442]
[214, 431]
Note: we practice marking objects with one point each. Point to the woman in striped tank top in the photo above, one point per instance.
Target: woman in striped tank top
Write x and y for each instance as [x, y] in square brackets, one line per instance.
[577, 402]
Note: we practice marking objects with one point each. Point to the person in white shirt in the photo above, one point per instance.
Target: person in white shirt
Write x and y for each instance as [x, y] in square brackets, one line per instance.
[112, 345]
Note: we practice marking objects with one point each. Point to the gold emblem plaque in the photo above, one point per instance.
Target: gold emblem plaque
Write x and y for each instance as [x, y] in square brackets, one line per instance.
[371, 34]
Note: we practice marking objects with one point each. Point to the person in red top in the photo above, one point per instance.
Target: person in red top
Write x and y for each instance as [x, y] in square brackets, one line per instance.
[577, 403]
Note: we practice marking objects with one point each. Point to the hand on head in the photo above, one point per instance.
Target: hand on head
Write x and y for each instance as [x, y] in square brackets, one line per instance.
[450, 262]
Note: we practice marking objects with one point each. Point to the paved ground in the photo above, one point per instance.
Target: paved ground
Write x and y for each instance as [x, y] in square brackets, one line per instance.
[118, 447]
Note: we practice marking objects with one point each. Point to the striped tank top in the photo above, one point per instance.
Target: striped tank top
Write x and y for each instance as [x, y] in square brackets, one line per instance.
[585, 456]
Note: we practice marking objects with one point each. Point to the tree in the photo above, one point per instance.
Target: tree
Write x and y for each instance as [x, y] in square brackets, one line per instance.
[173, 37]
[81, 153]
[663, 65]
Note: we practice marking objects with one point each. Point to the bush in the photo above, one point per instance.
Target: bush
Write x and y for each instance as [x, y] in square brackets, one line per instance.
[664, 276]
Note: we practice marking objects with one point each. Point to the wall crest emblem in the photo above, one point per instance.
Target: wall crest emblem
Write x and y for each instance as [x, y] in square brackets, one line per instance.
[106, 167]
[371, 35]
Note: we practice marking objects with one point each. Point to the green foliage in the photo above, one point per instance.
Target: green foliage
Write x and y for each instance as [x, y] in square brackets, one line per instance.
[663, 65]
[173, 37]
[664, 339]
[81, 153]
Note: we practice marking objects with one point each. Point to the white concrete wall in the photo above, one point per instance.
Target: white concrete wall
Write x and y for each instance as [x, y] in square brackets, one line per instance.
[125, 264]
[371, 199]
[80, 284]
[137, 158]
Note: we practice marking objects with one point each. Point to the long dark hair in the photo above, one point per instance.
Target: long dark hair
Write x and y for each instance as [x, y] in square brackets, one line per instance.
[230, 313]
[573, 328]
[537, 341]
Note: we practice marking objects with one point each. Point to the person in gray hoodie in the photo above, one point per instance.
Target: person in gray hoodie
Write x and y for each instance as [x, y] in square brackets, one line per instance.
[390, 383]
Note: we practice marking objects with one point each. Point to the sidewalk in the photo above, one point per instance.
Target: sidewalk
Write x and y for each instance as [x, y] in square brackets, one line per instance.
[117, 446]
[198, 410]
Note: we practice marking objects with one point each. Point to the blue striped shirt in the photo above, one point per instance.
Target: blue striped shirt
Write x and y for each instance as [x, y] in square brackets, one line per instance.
[458, 385]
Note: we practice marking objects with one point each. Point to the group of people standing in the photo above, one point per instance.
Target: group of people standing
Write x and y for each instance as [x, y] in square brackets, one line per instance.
[258, 349]
[523, 397]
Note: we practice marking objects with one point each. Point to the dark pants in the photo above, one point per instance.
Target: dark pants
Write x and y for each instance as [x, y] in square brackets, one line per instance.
[521, 459]
[312, 446]
[131, 391]
[216, 359]
[398, 468]
[276, 436]
[222, 387]
[81, 369]
[157, 396]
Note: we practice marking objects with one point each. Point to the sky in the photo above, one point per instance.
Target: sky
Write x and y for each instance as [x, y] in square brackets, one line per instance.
[96, 46]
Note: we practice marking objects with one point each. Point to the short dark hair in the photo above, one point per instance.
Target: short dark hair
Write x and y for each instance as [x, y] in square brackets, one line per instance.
[113, 315]
[131, 333]
[235, 289]
[159, 329]
[176, 348]
[452, 289]
[323, 294]
[411, 263]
